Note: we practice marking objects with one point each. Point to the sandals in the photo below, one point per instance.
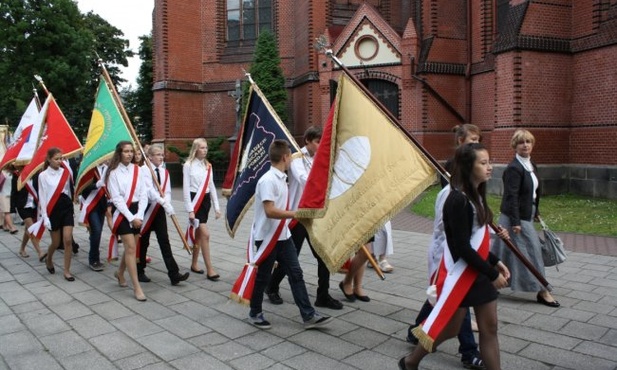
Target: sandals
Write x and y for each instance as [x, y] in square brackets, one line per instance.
[23, 254]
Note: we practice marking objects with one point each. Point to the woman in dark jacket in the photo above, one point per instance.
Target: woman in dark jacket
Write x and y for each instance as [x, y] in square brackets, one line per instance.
[519, 208]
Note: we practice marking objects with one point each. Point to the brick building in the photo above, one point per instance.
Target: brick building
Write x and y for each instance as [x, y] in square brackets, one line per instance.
[548, 66]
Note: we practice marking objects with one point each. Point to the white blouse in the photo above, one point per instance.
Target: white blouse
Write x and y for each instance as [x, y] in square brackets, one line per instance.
[119, 185]
[48, 182]
[193, 175]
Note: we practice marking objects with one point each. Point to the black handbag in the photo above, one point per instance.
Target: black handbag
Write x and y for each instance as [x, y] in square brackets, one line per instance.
[553, 252]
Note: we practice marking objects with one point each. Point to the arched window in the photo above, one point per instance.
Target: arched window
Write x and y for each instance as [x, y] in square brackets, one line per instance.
[386, 92]
[246, 18]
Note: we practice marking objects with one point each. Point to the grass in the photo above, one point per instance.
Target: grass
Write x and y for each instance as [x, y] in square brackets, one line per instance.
[565, 213]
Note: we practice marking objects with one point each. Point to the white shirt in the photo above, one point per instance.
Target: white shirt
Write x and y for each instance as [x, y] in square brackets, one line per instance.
[151, 189]
[193, 175]
[438, 239]
[48, 182]
[272, 186]
[119, 187]
[298, 174]
[526, 163]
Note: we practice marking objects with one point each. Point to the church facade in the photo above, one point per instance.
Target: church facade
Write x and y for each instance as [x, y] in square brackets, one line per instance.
[546, 66]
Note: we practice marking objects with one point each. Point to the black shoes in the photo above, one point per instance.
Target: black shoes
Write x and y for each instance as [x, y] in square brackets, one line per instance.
[349, 297]
[329, 302]
[143, 278]
[541, 299]
[275, 298]
[179, 277]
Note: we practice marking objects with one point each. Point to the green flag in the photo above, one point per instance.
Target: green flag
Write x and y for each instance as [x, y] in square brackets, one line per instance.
[107, 128]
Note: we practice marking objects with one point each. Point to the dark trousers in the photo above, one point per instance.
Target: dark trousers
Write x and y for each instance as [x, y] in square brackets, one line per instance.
[285, 253]
[467, 343]
[159, 226]
[298, 235]
[95, 219]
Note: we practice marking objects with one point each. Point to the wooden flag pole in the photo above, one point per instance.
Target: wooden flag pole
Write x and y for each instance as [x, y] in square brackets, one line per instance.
[141, 149]
[442, 171]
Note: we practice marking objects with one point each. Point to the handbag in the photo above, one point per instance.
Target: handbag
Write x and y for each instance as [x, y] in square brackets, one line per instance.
[431, 291]
[553, 252]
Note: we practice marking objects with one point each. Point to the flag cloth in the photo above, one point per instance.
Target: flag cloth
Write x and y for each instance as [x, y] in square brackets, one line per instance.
[55, 132]
[21, 134]
[365, 171]
[31, 137]
[107, 128]
[250, 161]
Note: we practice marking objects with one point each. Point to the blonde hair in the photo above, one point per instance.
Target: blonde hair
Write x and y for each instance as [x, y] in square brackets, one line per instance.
[196, 143]
[154, 148]
[520, 136]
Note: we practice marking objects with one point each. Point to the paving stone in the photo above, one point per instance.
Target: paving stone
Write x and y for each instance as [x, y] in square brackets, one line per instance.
[136, 326]
[71, 310]
[91, 326]
[65, 344]
[19, 343]
[138, 361]
[116, 345]
[111, 310]
[321, 342]
[32, 360]
[253, 361]
[567, 359]
[10, 324]
[199, 361]
[167, 346]
[182, 326]
[90, 360]
[229, 351]
[283, 351]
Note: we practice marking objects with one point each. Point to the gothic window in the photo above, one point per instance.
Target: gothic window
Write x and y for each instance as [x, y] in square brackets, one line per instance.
[246, 18]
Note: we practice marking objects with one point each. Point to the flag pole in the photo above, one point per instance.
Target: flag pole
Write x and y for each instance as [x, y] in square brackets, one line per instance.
[141, 149]
[437, 165]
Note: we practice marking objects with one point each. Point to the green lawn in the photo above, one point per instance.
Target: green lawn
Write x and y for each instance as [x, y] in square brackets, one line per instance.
[567, 213]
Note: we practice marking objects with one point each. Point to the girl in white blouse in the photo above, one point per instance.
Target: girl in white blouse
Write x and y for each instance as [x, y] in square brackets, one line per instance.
[57, 208]
[128, 195]
[199, 195]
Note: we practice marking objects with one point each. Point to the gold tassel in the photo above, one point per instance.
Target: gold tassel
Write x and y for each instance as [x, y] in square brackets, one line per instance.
[424, 339]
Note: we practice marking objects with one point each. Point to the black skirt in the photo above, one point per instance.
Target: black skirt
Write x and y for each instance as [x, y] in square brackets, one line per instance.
[125, 226]
[482, 291]
[204, 209]
[25, 213]
[62, 214]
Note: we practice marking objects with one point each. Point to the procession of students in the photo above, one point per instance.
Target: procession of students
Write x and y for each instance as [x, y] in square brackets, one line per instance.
[136, 197]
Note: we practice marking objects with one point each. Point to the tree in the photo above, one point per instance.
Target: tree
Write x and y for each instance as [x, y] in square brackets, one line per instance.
[138, 103]
[267, 73]
[53, 39]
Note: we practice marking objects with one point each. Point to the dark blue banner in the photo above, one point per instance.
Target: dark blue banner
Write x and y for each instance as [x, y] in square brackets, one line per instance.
[250, 161]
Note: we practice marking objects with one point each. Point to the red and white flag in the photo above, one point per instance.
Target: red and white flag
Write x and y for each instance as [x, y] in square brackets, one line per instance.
[22, 133]
[55, 132]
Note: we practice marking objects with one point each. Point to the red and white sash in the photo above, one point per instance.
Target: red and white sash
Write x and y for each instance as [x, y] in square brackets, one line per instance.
[118, 217]
[195, 205]
[89, 203]
[453, 283]
[154, 207]
[37, 229]
[242, 290]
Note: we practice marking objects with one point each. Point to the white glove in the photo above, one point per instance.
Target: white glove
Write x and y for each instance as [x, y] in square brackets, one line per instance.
[169, 209]
[161, 201]
[47, 223]
[100, 184]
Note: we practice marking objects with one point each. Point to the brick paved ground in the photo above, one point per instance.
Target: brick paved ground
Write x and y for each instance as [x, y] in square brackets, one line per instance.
[49, 323]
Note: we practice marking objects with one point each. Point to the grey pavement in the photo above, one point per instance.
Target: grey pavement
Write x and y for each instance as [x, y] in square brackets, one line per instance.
[49, 323]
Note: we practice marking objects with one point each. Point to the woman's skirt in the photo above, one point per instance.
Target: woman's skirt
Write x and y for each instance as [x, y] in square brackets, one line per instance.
[528, 243]
[62, 214]
[125, 226]
[204, 209]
